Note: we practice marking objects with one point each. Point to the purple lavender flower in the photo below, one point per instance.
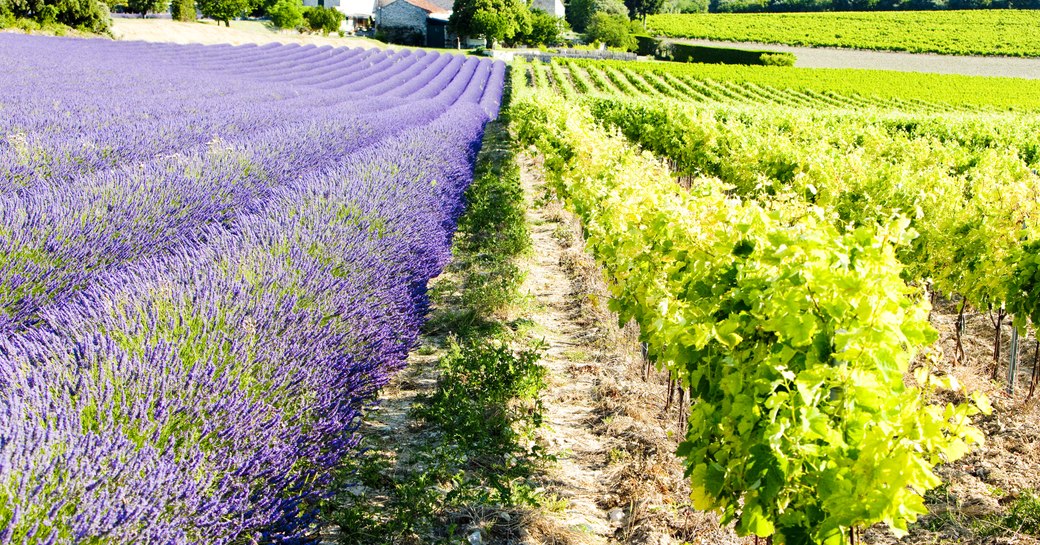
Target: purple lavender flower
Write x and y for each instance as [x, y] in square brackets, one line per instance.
[214, 258]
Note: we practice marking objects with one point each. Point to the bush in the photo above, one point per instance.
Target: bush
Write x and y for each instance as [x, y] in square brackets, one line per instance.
[777, 59]
[671, 51]
[546, 29]
[685, 6]
[400, 35]
[738, 6]
[223, 11]
[144, 7]
[579, 12]
[182, 10]
[286, 13]
[613, 30]
[324, 20]
[647, 45]
[89, 15]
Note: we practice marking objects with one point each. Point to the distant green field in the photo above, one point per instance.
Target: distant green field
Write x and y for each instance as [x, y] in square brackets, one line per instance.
[951, 90]
[976, 32]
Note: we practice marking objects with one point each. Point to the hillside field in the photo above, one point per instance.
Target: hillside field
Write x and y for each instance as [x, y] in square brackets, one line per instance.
[975, 32]
[300, 293]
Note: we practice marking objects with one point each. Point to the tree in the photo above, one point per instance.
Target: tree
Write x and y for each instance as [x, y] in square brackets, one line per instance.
[639, 9]
[145, 6]
[86, 15]
[493, 20]
[182, 10]
[223, 10]
[685, 6]
[286, 13]
[546, 29]
[612, 30]
[324, 20]
[580, 12]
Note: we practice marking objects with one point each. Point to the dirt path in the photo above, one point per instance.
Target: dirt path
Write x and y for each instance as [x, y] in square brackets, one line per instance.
[579, 478]
[829, 57]
[617, 477]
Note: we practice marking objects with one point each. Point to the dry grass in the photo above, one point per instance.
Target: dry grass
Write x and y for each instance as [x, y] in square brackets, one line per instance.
[208, 32]
[646, 495]
[646, 479]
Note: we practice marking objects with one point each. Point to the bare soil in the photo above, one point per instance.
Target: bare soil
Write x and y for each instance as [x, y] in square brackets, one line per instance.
[618, 471]
[209, 32]
[618, 477]
[981, 486]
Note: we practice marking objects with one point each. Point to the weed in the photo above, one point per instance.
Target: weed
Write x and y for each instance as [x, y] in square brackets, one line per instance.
[1022, 516]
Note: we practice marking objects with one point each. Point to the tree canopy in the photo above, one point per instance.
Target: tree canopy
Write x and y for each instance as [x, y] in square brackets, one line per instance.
[286, 13]
[580, 12]
[223, 10]
[322, 19]
[87, 15]
[493, 20]
[612, 30]
[546, 29]
[143, 7]
[639, 9]
[182, 10]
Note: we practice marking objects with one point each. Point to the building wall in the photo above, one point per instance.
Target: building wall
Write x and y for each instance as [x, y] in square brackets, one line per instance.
[552, 7]
[402, 14]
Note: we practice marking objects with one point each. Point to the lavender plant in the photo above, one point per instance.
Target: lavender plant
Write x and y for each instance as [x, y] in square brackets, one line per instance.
[192, 319]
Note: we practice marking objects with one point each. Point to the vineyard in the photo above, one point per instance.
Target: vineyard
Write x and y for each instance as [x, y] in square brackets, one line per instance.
[213, 259]
[745, 259]
[284, 293]
[752, 85]
[1006, 32]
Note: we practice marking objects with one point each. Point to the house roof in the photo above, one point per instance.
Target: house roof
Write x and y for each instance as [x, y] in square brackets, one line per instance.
[429, 6]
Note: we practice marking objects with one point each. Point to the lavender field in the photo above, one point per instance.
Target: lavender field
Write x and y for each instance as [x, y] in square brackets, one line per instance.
[211, 258]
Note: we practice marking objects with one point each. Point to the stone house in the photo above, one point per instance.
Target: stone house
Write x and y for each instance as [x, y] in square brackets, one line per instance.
[415, 22]
[425, 22]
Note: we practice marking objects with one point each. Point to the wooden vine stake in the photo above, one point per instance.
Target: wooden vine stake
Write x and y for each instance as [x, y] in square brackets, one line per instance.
[645, 350]
[682, 410]
[998, 322]
[1012, 361]
[1036, 367]
[959, 355]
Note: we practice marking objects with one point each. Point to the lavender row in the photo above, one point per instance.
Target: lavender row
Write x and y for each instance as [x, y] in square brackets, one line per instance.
[203, 395]
[60, 240]
[200, 387]
[57, 142]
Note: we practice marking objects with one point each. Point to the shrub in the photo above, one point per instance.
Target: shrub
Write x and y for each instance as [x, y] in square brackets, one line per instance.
[183, 10]
[580, 12]
[86, 15]
[223, 11]
[777, 59]
[647, 45]
[324, 20]
[546, 29]
[613, 30]
[89, 15]
[399, 35]
[286, 13]
[671, 51]
[144, 7]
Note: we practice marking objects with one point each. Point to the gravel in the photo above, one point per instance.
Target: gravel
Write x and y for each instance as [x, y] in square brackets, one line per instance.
[826, 57]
